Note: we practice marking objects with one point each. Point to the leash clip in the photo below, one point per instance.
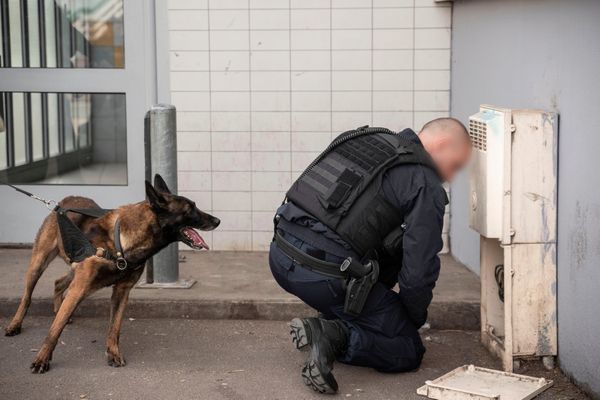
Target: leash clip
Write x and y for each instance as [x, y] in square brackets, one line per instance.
[121, 264]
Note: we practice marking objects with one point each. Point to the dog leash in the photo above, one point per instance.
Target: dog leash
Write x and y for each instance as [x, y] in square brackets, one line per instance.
[66, 226]
[50, 204]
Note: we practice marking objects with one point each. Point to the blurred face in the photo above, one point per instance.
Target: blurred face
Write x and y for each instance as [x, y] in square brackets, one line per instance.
[450, 153]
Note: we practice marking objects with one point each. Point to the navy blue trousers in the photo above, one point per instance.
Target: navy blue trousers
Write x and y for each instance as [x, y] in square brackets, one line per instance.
[381, 337]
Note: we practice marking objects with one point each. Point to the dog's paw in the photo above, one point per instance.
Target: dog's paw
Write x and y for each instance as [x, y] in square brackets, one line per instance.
[115, 360]
[40, 366]
[12, 330]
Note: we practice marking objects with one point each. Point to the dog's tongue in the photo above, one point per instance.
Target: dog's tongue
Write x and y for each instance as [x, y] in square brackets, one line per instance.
[196, 238]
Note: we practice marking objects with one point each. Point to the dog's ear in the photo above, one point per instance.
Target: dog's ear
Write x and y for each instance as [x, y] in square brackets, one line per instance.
[155, 199]
[160, 184]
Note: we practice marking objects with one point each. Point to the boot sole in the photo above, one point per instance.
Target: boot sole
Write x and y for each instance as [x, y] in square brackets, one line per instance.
[317, 381]
[300, 333]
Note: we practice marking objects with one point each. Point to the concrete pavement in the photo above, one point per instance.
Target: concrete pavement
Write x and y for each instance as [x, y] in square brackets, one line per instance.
[231, 285]
[216, 359]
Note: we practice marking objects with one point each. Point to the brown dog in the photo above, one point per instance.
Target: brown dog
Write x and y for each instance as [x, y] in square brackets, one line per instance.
[143, 229]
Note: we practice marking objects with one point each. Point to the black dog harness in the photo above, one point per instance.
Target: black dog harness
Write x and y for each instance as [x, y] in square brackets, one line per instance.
[76, 245]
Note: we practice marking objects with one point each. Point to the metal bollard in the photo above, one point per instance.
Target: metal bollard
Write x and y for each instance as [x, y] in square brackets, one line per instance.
[160, 142]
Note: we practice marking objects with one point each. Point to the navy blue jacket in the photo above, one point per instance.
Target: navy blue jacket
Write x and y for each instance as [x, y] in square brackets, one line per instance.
[417, 192]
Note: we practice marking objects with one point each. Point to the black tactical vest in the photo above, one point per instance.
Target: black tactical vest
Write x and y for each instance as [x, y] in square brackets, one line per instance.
[342, 187]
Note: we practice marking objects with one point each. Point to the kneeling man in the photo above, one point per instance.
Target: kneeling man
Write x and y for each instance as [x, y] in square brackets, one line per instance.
[366, 215]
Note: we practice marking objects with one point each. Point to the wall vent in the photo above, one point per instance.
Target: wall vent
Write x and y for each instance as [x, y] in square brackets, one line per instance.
[478, 133]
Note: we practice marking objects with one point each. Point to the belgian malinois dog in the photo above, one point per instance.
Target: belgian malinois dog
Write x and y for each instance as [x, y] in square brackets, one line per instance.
[144, 229]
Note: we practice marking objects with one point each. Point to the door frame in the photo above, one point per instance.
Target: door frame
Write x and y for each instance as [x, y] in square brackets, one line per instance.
[137, 80]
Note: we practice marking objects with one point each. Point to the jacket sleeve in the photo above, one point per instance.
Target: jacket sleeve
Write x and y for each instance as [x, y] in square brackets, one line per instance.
[421, 244]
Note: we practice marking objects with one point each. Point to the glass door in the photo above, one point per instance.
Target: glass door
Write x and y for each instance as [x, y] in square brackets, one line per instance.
[76, 77]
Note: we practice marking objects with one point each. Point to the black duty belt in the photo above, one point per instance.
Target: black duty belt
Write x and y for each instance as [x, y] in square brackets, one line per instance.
[360, 277]
[308, 261]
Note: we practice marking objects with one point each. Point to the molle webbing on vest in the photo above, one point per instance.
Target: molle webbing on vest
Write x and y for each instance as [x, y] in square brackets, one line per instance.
[341, 188]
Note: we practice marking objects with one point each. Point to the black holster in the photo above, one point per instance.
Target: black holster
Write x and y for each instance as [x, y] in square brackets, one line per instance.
[362, 279]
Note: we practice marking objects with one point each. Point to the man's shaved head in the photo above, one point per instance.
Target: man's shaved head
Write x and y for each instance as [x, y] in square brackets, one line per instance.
[448, 143]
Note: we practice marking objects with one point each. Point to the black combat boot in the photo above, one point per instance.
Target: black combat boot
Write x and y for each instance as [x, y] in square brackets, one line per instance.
[327, 340]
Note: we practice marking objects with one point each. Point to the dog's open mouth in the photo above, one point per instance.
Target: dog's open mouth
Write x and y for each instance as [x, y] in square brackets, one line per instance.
[193, 239]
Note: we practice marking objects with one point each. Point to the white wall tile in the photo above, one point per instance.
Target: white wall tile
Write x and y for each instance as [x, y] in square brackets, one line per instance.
[387, 18]
[432, 101]
[270, 80]
[311, 80]
[191, 101]
[270, 101]
[310, 19]
[270, 60]
[393, 120]
[422, 117]
[310, 141]
[392, 80]
[235, 241]
[301, 160]
[311, 121]
[232, 201]
[225, 4]
[188, 40]
[432, 59]
[262, 221]
[269, 181]
[187, 4]
[270, 40]
[229, 40]
[343, 121]
[271, 161]
[311, 60]
[351, 40]
[271, 121]
[194, 161]
[231, 181]
[231, 161]
[310, 40]
[351, 18]
[393, 39]
[351, 101]
[311, 101]
[231, 141]
[254, 4]
[229, 80]
[188, 20]
[433, 17]
[351, 60]
[193, 181]
[351, 80]
[310, 3]
[230, 101]
[432, 80]
[189, 60]
[203, 200]
[393, 101]
[189, 81]
[432, 38]
[267, 201]
[269, 19]
[392, 59]
[234, 220]
[193, 141]
[261, 241]
[229, 61]
[271, 141]
[230, 121]
[192, 121]
[228, 19]
[350, 3]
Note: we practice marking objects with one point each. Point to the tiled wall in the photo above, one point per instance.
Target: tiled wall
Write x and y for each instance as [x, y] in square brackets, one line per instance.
[262, 86]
